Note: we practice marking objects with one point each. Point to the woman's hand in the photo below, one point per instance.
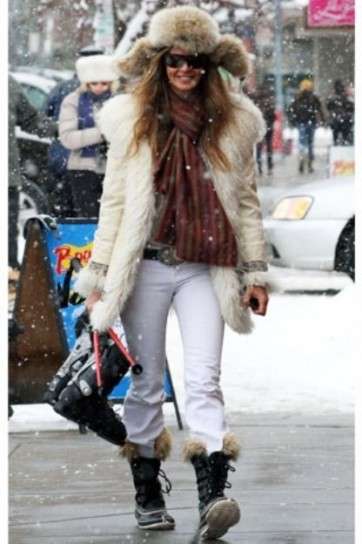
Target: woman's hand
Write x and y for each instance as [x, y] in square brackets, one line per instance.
[257, 298]
[91, 299]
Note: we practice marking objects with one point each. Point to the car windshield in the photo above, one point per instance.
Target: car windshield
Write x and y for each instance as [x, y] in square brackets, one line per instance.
[36, 96]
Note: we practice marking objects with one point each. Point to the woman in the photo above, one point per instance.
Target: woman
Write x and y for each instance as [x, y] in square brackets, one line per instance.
[179, 219]
[79, 132]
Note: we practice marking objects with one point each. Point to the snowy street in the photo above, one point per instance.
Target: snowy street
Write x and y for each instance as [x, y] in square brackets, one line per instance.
[289, 398]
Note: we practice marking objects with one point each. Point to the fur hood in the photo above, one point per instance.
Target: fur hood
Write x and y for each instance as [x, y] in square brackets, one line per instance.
[128, 212]
[189, 28]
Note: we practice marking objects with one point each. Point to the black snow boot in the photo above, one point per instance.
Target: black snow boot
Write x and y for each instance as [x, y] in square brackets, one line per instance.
[150, 511]
[217, 512]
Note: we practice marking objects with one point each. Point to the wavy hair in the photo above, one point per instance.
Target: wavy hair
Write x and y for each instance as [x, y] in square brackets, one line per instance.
[153, 122]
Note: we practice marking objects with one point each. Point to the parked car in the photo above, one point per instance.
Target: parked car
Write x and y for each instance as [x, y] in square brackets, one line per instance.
[312, 226]
[36, 88]
[49, 73]
[33, 150]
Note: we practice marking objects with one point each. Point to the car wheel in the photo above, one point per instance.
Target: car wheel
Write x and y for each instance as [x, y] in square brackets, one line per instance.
[345, 250]
[32, 201]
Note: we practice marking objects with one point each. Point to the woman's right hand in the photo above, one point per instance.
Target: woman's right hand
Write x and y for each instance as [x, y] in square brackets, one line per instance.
[91, 299]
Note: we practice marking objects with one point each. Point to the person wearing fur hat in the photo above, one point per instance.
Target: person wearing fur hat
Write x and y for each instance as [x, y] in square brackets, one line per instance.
[180, 225]
[79, 132]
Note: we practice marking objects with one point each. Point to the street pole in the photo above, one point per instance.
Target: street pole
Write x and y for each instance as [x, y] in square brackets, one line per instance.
[104, 25]
[278, 66]
[278, 74]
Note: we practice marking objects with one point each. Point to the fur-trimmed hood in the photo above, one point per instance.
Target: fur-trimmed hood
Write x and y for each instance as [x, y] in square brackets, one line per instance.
[189, 28]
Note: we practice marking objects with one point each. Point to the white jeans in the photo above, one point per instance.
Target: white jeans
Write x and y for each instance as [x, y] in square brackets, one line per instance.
[189, 289]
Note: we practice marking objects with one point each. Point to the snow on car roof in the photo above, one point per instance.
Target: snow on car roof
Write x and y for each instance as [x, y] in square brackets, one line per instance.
[41, 82]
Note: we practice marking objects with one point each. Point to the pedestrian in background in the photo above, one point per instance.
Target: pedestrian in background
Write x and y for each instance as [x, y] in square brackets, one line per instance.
[305, 113]
[79, 132]
[341, 115]
[264, 98]
[180, 224]
[59, 194]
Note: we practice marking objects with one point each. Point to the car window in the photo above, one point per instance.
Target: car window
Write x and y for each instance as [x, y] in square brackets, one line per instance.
[36, 96]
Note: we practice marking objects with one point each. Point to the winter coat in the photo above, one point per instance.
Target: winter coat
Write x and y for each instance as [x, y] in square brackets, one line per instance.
[75, 139]
[58, 154]
[306, 109]
[341, 110]
[24, 115]
[265, 101]
[128, 212]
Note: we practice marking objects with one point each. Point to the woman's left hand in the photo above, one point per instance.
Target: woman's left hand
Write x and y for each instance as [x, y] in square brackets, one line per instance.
[257, 298]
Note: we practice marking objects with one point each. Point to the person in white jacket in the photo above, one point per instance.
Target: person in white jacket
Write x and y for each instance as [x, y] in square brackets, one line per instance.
[180, 225]
[79, 132]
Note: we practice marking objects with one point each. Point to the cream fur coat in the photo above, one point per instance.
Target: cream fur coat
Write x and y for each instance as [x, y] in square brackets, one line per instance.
[128, 209]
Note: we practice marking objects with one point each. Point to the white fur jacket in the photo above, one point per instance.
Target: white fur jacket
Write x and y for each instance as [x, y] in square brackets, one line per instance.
[128, 209]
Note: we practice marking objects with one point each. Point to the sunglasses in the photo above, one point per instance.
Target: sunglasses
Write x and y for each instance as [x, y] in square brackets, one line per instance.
[103, 83]
[197, 62]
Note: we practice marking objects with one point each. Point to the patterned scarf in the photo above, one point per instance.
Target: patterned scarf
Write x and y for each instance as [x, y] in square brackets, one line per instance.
[191, 217]
[87, 102]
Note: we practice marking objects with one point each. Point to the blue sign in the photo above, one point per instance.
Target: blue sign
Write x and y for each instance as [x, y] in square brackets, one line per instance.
[74, 240]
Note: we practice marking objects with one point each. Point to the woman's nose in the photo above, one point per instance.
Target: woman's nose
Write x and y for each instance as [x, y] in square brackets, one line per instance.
[184, 66]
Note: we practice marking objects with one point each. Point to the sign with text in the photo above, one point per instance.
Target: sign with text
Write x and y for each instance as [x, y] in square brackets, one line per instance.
[341, 160]
[74, 240]
[331, 13]
[47, 307]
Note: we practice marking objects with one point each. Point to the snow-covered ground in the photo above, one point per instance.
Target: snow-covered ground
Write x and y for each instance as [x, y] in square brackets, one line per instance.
[300, 358]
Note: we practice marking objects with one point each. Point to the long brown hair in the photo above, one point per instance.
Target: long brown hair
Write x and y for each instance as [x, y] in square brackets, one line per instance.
[153, 121]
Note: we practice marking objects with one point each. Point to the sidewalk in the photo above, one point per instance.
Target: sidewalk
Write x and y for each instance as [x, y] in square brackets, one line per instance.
[286, 175]
[286, 172]
[294, 481]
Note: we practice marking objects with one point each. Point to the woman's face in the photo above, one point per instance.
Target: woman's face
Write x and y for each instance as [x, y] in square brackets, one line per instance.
[99, 87]
[182, 77]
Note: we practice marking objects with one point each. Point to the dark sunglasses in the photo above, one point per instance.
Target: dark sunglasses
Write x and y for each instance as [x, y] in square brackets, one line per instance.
[103, 83]
[196, 62]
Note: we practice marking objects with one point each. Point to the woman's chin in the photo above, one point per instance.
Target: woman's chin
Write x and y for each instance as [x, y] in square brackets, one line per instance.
[184, 87]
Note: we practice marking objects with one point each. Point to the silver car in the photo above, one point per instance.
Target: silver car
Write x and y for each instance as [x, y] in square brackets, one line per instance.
[312, 226]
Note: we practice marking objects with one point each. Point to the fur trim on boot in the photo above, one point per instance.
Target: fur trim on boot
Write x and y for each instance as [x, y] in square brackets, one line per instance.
[129, 451]
[162, 447]
[231, 446]
[194, 447]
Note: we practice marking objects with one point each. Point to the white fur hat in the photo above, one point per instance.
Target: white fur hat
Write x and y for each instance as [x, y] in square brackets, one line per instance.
[189, 28]
[97, 68]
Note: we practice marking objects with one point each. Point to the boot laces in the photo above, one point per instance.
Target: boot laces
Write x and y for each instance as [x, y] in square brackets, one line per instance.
[228, 485]
[222, 482]
[168, 486]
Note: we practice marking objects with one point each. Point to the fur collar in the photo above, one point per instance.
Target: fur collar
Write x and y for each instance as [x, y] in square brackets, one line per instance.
[119, 113]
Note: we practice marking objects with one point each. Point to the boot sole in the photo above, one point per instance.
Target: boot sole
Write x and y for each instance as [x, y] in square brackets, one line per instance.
[221, 516]
[159, 526]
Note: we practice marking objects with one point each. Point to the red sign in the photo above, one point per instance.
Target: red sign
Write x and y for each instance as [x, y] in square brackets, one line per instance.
[330, 13]
[66, 252]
